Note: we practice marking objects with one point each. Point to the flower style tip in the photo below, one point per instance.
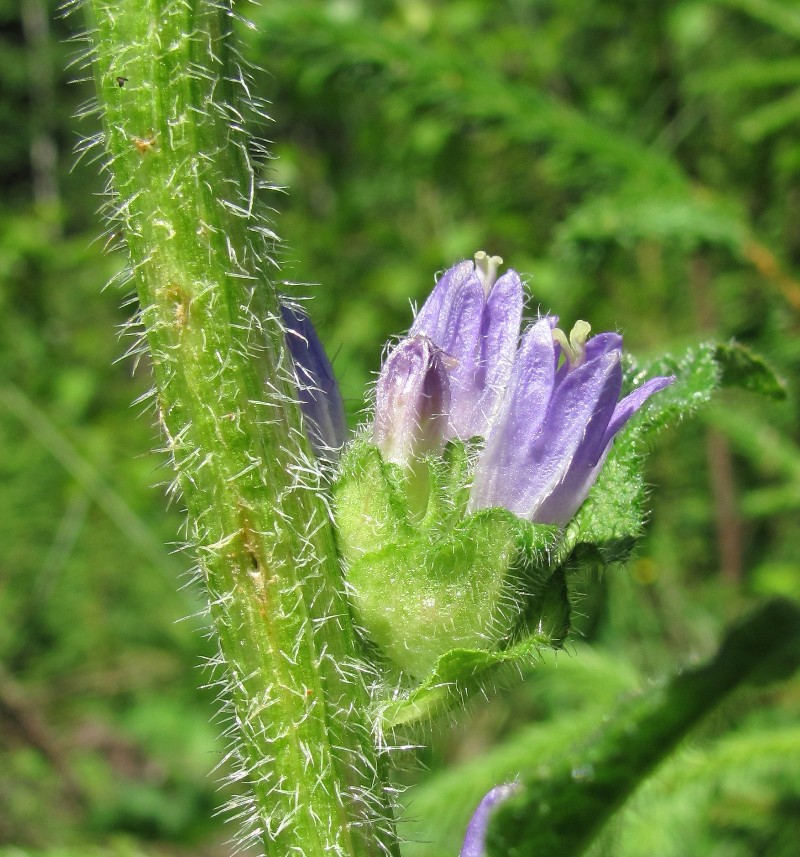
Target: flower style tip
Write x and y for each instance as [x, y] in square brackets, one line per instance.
[412, 401]
[574, 346]
[487, 267]
[475, 838]
[318, 392]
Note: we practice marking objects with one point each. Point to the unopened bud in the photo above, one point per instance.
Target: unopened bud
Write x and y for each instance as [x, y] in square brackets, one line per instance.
[412, 402]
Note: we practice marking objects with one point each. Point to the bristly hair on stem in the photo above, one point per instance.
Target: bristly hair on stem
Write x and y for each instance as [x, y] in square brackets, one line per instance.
[184, 200]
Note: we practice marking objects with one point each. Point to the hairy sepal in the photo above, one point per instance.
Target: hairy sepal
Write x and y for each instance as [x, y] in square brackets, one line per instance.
[426, 578]
[459, 673]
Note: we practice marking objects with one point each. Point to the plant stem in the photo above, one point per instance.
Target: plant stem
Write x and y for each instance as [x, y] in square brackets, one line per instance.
[170, 93]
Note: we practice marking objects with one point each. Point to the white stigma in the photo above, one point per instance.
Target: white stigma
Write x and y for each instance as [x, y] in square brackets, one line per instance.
[487, 267]
[574, 348]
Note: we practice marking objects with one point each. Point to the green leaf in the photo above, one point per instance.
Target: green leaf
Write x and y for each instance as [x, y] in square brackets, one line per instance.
[697, 376]
[559, 810]
[638, 212]
[608, 524]
[457, 673]
[742, 368]
[782, 16]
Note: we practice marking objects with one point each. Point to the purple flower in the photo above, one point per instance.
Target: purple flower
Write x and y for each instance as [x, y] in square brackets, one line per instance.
[412, 401]
[548, 410]
[475, 321]
[556, 424]
[318, 392]
[475, 838]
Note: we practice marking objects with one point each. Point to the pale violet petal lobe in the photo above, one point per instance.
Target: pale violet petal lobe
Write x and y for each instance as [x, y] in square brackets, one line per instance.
[412, 401]
[632, 402]
[433, 317]
[500, 475]
[550, 455]
[500, 335]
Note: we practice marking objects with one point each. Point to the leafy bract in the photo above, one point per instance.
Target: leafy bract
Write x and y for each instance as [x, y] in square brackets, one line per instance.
[559, 808]
[460, 672]
[740, 367]
[421, 597]
[609, 523]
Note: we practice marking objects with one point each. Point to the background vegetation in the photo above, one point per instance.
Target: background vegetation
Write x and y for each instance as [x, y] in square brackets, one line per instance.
[640, 162]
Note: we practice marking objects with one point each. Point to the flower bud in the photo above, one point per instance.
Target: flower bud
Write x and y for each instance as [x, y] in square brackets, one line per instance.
[475, 839]
[317, 390]
[450, 557]
[474, 317]
[412, 402]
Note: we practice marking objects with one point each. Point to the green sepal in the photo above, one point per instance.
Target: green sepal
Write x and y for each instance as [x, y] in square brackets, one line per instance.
[459, 673]
[378, 503]
[449, 482]
[437, 591]
[370, 508]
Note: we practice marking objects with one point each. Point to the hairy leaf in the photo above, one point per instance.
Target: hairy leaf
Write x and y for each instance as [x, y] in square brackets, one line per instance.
[559, 810]
[742, 368]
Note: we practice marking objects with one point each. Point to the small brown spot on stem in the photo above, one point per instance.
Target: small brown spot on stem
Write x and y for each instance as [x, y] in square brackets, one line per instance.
[181, 301]
[144, 144]
[249, 541]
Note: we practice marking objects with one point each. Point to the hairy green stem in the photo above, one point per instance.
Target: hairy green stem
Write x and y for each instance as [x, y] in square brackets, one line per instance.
[172, 98]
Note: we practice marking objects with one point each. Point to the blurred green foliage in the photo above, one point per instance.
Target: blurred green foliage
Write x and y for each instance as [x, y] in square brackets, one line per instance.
[640, 162]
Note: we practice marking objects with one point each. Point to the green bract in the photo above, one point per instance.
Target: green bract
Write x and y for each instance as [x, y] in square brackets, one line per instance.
[426, 577]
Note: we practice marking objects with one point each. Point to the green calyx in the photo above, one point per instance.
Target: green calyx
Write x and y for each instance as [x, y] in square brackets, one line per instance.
[424, 576]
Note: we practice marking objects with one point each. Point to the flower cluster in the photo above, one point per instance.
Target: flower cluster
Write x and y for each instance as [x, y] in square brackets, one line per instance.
[548, 407]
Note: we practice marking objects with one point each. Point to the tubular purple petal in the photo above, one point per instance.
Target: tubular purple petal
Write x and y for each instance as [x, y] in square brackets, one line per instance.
[603, 343]
[475, 837]
[433, 319]
[412, 401]
[317, 389]
[583, 403]
[497, 346]
[476, 323]
[548, 411]
[553, 431]
[591, 387]
[568, 496]
[502, 474]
